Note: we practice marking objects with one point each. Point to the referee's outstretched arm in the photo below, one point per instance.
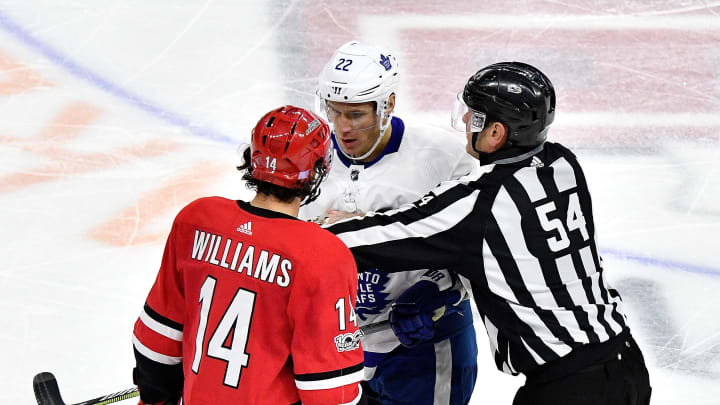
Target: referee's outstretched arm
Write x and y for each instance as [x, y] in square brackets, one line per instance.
[431, 233]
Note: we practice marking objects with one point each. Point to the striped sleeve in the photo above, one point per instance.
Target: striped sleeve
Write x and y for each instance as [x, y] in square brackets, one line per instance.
[438, 226]
[158, 338]
[157, 335]
[331, 387]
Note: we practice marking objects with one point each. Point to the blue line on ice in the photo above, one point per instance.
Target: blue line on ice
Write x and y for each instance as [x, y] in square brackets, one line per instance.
[668, 264]
[77, 70]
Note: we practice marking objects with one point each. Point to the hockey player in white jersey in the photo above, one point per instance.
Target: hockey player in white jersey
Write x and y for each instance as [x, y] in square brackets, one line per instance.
[379, 164]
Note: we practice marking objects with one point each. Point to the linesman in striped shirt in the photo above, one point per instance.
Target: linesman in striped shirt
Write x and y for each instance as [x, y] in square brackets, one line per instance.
[522, 235]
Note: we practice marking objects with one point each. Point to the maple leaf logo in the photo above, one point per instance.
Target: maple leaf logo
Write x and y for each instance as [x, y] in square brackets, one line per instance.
[385, 62]
[372, 298]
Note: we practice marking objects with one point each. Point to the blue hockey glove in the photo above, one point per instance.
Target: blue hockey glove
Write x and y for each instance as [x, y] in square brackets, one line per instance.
[414, 312]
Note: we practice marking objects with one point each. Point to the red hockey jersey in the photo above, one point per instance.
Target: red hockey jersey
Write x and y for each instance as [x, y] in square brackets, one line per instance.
[255, 306]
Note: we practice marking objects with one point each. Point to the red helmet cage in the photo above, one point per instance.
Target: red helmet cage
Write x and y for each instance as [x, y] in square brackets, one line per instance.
[285, 145]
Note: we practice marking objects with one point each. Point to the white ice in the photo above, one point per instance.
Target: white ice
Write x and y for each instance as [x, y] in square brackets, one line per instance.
[115, 114]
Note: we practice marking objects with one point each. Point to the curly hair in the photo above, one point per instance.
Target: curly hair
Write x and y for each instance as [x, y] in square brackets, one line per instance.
[307, 192]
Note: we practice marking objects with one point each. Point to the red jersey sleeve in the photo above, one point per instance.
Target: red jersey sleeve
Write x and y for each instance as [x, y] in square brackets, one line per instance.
[158, 332]
[325, 349]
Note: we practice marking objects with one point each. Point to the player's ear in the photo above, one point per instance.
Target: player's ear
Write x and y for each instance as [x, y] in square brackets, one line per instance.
[498, 135]
[391, 103]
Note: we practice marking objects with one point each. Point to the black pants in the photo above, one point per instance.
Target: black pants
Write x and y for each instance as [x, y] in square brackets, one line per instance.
[621, 379]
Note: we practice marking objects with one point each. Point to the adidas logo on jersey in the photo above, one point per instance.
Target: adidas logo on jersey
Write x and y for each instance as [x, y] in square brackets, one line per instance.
[245, 228]
[536, 162]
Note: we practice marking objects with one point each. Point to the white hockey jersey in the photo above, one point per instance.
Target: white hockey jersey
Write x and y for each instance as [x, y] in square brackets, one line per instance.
[415, 160]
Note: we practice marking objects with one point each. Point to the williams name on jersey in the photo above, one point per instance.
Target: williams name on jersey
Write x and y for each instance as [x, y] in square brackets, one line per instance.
[216, 250]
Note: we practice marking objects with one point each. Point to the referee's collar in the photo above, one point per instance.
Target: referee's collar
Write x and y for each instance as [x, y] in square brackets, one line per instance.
[510, 155]
[393, 145]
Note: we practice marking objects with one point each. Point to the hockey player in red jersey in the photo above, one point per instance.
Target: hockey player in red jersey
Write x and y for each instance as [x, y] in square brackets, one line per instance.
[251, 305]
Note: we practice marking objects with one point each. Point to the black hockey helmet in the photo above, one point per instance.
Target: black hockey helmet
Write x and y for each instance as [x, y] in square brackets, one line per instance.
[516, 94]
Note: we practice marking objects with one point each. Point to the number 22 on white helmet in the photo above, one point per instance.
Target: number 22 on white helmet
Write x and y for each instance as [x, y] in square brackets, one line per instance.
[359, 73]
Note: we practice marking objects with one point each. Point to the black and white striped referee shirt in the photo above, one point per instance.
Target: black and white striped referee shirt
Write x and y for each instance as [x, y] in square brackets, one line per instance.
[522, 232]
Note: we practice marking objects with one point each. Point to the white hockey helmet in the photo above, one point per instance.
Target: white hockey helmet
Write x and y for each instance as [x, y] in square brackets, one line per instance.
[359, 73]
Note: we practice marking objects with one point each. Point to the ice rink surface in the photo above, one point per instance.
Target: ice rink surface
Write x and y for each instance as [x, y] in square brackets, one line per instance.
[114, 114]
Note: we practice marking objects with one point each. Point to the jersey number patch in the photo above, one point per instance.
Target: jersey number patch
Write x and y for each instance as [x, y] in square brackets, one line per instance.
[575, 220]
[340, 308]
[236, 321]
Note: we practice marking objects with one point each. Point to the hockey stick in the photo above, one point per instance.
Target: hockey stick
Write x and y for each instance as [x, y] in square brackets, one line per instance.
[375, 327]
[383, 325]
[47, 392]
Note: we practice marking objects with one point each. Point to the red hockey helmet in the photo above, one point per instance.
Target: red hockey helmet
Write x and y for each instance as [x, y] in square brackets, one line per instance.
[286, 144]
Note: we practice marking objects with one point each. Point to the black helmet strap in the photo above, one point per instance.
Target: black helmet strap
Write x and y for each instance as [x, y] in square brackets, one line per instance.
[475, 136]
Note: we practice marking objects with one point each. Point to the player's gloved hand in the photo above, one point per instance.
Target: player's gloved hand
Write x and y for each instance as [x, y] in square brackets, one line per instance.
[161, 402]
[414, 312]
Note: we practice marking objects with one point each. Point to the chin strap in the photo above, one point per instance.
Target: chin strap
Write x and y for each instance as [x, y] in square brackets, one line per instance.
[383, 130]
[475, 136]
[482, 156]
